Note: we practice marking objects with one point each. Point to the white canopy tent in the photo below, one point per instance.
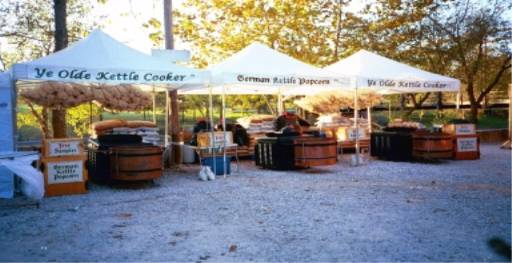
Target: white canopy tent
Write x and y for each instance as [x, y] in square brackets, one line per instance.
[259, 69]
[99, 58]
[372, 72]
[386, 76]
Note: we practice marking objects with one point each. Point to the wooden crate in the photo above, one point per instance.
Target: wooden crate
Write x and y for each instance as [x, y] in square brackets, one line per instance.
[205, 139]
[466, 147]
[65, 175]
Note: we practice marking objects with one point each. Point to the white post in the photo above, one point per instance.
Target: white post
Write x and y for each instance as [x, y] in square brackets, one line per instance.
[279, 102]
[457, 101]
[210, 124]
[510, 113]
[356, 107]
[389, 111]
[369, 112]
[154, 105]
[166, 138]
[224, 128]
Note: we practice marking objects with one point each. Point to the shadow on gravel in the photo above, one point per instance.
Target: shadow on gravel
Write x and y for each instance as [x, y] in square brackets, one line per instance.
[500, 247]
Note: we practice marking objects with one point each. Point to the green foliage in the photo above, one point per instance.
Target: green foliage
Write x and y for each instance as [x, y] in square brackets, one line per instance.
[218, 28]
[79, 118]
[28, 27]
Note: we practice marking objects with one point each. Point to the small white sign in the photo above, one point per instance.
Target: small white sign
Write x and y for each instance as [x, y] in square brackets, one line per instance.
[467, 144]
[352, 133]
[64, 148]
[65, 172]
[464, 129]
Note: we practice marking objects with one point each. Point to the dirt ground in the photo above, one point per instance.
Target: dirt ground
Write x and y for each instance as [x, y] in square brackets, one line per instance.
[381, 211]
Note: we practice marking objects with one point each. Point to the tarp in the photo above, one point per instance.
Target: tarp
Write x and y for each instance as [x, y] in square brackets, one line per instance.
[258, 69]
[383, 75]
[102, 59]
[7, 112]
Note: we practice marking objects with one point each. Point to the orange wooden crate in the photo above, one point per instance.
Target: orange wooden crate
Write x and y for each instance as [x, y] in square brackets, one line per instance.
[466, 147]
[60, 173]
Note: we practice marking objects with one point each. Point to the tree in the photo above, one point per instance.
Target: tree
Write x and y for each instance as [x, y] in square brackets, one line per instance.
[464, 39]
[28, 27]
[29, 31]
[302, 29]
[61, 42]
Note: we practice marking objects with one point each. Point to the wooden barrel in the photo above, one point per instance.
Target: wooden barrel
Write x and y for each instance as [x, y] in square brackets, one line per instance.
[432, 145]
[136, 163]
[312, 151]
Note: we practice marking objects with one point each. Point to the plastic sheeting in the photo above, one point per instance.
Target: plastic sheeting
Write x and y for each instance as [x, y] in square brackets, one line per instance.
[32, 182]
[7, 123]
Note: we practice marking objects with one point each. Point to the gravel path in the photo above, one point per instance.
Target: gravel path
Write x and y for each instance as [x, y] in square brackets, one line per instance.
[381, 211]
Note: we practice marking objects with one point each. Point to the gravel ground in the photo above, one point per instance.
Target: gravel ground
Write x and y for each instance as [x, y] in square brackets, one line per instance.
[381, 211]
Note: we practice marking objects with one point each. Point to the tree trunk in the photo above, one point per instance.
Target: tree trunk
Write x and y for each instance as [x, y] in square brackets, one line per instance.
[174, 119]
[61, 42]
[402, 106]
[474, 113]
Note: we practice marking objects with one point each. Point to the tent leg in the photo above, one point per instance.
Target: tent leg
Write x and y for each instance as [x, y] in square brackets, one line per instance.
[280, 109]
[211, 124]
[224, 157]
[356, 107]
[389, 111]
[154, 106]
[166, 121]
[369, 113]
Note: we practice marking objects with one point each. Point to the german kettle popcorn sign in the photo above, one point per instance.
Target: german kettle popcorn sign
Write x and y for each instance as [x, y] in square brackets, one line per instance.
[467, 144]
[65, 172]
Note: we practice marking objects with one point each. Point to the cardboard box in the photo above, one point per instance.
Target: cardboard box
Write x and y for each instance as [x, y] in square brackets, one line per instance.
[65, 175]
[466, 147]
[205, 139]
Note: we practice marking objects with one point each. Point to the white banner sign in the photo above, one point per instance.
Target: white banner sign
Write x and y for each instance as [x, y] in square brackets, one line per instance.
[275, 80]
[65, 172]
[106, 76]
[467, 144]
[464, 129]
[409, 86]
[64, 148]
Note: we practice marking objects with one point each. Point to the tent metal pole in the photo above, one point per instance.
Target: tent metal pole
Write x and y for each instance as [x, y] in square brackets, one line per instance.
[356, 107]
[457, 101]
[153, 94]
[369, 112]
[166, 143]
[389, 111]
[279, 102]
[210, 124]
[224, 159]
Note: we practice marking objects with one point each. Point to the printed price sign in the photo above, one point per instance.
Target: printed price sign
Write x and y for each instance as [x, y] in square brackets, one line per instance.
[464, 129]
[467, 145]
[63, 148]
[356, 132]
[65, 172]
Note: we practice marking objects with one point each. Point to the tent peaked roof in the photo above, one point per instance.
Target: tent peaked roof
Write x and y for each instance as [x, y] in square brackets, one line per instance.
[260, 59]
[99, 53]
[390, 76]
[259, 69]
